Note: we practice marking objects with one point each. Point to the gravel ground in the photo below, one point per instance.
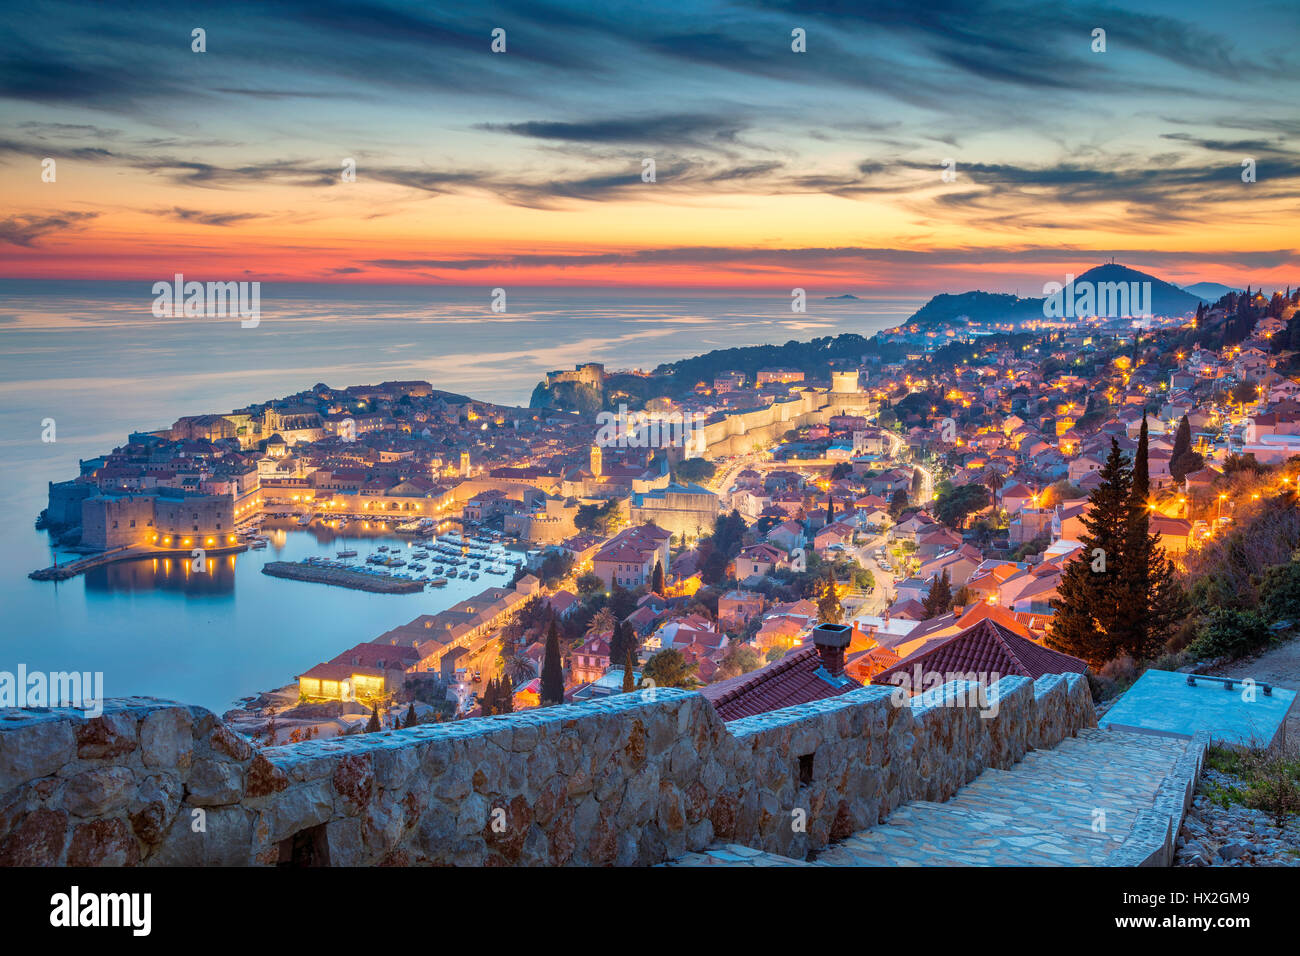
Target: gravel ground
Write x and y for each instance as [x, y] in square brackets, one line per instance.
[1234, 836]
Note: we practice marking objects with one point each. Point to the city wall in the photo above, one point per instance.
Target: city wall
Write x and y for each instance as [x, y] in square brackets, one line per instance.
[632, 779]
[742, 432]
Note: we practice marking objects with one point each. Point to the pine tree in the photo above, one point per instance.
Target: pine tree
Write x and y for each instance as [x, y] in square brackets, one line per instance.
[939, 600]
[657, 581]
[629, 668]
[372, 725]
[1091, 600]
[552, 672]
[505, 695]
[411, 719]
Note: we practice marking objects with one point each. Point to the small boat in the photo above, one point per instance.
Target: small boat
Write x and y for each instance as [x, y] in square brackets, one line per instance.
[438, 582]
[258, 544]
[304, 519]
[383, 547]
[347, 554]
[474, 576]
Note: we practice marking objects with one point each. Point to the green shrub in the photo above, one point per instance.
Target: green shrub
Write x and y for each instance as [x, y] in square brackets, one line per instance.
[1276, 793]
[1228, 632]
[1279, 592]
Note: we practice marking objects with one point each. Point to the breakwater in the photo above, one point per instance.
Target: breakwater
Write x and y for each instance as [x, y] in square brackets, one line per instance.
[357, 580]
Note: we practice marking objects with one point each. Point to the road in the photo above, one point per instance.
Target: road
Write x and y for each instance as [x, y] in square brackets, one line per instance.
[882, 595]
[722, 481]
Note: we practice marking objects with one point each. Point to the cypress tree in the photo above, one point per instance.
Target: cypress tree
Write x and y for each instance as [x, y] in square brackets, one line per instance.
[505, 695]
[1154, 602]
[552, 672]
[1091, 602]
[1183, 460]
[657, 581]
[830, 508]
[617, 644]
[629, 682]
[411, 719]
[1135, 564]
[372, 725]
[939, 600]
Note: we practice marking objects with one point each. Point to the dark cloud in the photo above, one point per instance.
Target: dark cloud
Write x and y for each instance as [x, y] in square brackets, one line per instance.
[669, 130]
[207, 218]
[27, 230]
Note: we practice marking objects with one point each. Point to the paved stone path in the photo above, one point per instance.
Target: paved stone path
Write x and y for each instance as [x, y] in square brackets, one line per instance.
[1068, 806]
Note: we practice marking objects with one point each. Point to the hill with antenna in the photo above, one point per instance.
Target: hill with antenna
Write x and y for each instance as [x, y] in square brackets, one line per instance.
[992, 307]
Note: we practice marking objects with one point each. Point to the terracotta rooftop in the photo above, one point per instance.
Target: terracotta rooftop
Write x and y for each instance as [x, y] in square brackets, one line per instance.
[985, 648]
[792, 680]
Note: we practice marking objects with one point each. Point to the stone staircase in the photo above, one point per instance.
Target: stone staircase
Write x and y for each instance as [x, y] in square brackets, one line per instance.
[1103, 798]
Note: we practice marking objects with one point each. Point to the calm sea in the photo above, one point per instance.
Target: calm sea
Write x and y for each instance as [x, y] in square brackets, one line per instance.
[93, 358]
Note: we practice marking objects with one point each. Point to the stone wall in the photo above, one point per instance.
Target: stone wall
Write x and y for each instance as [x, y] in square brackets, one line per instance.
[632, 779]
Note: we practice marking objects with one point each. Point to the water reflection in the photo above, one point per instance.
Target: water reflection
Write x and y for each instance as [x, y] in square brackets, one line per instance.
[166, 574]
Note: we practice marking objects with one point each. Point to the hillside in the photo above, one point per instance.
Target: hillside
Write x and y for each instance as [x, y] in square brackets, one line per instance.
[1210, 291]
[989, 307]
[947, 309]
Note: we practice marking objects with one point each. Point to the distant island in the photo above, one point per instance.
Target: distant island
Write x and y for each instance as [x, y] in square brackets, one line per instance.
[846, 295]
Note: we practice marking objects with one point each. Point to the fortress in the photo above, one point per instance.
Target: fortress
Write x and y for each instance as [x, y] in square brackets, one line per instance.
[589, 373]
[166, 518]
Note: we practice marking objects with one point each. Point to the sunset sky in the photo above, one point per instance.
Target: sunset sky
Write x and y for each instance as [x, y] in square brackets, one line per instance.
[775, 169]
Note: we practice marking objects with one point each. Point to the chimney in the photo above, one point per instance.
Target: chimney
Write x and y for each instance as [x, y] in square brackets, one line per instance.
[831, 641]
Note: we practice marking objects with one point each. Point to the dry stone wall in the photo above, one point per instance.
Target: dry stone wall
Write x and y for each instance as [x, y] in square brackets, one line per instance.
[632, 779]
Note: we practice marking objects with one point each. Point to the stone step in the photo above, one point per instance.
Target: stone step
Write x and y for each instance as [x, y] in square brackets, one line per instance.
[943, 835]
[1039, 812]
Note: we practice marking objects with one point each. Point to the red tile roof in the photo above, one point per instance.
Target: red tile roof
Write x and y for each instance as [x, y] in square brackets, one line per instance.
[985, 648]
[791, 680]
